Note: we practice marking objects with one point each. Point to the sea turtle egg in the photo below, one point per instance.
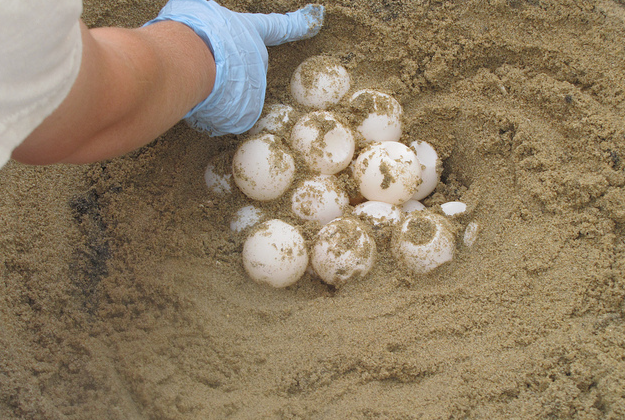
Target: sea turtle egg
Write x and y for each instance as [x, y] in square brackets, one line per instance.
[262, 168]
[326, 145]
[275, 254]
[343, 251]
[423, 241]
[219, 179]
[319, 82]
[319, 198]
[378, 212]
[246, 217]
[430, 170]
[275, 119]
[382, 116]
[412, 205]
[470, 233]
[452, 208]
[388, 171]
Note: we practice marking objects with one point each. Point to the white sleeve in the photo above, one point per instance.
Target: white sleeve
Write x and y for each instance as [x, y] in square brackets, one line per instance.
[40, 53]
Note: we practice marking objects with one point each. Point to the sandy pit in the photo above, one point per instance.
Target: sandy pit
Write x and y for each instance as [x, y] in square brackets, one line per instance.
[123, 295]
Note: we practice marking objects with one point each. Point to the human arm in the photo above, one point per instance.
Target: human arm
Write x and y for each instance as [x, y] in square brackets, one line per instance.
[134, 84]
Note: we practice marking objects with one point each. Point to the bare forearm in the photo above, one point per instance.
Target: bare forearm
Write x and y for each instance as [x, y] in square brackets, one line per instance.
[133, 85]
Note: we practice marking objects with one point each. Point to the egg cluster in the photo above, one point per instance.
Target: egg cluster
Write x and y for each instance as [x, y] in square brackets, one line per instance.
[390, 178]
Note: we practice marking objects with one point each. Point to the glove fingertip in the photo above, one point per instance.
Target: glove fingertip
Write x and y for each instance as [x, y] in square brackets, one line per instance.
[315, 16]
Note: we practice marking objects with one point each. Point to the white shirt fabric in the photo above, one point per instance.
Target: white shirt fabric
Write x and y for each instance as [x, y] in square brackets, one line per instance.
[40, 54]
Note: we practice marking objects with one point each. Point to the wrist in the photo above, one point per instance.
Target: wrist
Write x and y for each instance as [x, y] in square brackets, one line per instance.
[240, 58]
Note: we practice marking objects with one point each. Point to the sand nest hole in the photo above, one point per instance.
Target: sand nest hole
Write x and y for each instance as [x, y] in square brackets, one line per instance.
[123, 293]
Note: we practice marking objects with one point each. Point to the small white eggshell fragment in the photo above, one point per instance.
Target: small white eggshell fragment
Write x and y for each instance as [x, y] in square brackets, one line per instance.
[343, 251]
[423, 242]
[378, 212]
[470, 233]
[452, 208]
[263, 169]
[219, 182]
[276, 118]
[383, 119]
[412, 205]
[245, 218]
[320, 199]
[430, 170]
[319, 82]
[275, 254]
[388, 172]
[326, 145]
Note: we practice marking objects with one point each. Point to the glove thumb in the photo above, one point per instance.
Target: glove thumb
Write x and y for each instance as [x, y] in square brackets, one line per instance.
[276, 29]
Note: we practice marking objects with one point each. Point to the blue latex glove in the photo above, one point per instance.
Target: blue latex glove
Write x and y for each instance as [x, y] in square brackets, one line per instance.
[238, 42]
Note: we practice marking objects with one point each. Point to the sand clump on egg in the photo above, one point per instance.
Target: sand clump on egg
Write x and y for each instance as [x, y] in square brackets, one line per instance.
[421, 231]
[319, 198]
[343, 252]
[320, 81]
[123, 292]
[423, 241]
[325, 144]
[377, 116]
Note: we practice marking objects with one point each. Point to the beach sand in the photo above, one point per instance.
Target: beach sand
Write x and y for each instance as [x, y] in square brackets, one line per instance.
[123, 295]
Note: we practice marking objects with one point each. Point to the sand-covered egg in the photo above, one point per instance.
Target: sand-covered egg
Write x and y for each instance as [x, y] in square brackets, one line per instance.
[245, 218]
[378, 212]
[275, 254]
[218, 174]
[276, 118]
[423, 241]
[451, 208]
[320, 199]
[412, 205]
[326, 145]
[430, 168]
[471, 233]
[343, 251]
[388, 171]
[263, 168]
[380, 116]
[319, 82]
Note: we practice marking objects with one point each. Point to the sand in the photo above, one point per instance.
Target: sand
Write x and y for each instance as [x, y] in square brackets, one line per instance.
[123, 296]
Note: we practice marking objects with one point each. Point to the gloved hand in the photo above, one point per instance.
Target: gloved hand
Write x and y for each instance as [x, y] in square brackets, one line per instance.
[238, 42]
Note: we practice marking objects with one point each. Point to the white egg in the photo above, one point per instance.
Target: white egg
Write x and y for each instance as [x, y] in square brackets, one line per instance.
[319, 82]
[378, 212]
[263, 169]
[423, 241]
[320, 199]
[452, 208]
[275, 254]
[388, 172]
[343, 251]
[470, 233]
[430, 169]
[218, 174]
[382, 116]
[412, 205]
[276, 118]
[325, 144]
[245, 218]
